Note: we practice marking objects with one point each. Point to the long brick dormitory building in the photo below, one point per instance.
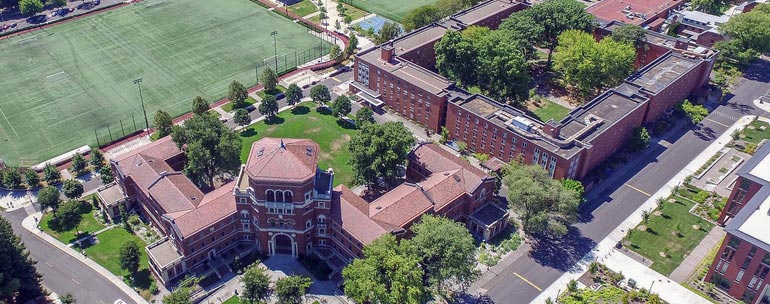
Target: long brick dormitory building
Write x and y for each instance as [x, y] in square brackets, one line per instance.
[400, 74]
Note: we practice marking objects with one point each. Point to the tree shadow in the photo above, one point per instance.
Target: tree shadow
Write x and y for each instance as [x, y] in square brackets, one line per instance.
[651, 231]
[346, 124]
[275, 120]
[142, 280]
[248, 132]
[562, 253]
[759, 70]
[300, 110]
[466, 298]
[324, 110]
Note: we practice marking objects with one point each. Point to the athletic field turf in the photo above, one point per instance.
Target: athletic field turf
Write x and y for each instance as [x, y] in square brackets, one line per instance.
[61, 84]
[391, 9]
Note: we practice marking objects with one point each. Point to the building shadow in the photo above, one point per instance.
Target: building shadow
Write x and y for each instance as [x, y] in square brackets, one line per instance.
[563, 253]
[758, 71]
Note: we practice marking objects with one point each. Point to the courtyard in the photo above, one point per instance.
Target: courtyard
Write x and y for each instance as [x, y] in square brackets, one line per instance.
[75, 79]
[309, 121]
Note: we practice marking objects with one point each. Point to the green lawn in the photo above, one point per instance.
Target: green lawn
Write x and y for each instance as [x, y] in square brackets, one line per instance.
[278, 89]
[754, 135]
[305, 121]
[232, 300]
[660, 235]
[391, 9]
[62, 84]
[229, 106]
[354, 12]
[551, 110]
[87, 224]
[106, 254]
[303, 8]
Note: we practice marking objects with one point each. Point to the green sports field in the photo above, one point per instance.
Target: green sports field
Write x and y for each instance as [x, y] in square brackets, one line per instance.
[61, 84]
[391, 9]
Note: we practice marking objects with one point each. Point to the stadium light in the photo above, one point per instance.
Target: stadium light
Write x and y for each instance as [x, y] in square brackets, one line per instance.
[138, 83]
[275, 49]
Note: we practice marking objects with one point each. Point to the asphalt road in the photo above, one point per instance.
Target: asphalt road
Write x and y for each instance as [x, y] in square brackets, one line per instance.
[62, 273]
[610, 203]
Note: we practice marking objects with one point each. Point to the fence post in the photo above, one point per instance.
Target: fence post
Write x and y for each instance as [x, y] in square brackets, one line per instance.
[121, 128]
[286, 63]
[109, 132]
[97, 139]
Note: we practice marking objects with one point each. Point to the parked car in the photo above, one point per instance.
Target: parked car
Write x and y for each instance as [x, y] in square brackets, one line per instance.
[5, 27]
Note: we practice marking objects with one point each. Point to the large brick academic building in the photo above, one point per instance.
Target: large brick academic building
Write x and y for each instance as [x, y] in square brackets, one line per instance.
[400, 74]
[282, 203]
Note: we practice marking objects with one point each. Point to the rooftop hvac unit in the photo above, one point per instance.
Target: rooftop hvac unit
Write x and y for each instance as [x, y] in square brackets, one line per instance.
[522, 123]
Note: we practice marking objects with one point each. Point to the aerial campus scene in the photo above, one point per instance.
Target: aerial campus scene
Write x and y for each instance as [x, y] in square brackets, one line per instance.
[372, 151]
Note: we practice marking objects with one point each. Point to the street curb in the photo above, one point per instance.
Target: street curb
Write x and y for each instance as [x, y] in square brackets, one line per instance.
[606, 245]
[30, 224]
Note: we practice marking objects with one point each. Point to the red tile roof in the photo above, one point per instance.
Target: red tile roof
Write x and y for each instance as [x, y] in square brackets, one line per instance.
[215, 206]
[283, 159]
[613, 10]
[437, 160]
[401, 205]
[351, 211]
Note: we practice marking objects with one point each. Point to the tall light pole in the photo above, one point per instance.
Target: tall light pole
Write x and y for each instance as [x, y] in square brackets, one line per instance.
[138, 83]
[275, 50]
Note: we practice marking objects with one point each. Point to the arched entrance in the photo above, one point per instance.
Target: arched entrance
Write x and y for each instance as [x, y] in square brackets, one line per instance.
[283, 244]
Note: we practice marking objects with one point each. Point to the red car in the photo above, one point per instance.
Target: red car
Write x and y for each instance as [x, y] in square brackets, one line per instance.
[5, 26]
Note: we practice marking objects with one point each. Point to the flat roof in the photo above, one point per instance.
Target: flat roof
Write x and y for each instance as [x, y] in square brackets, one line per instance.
[111, 194]
[164, 253]
[642, 10]
[420, 37]
[659, 74]
[758, 223]
[608, 108]
[753, 221]
[482, 11]
[762, 169]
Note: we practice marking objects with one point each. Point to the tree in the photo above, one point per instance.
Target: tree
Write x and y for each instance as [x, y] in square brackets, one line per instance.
[97, 159]
[713, 7]
[523, 32]
[747, 35]
[630, 34]
[179, 296]
[67, 298]
[58, 3]
[556, 17]
[456, 58]
[503, 72]
[78, 164]
[350, 49]
[11, 177]
[269, 80]
[49, 197]
[386, 274]
[163, 123]
[237, 93]
[543, 204]
[380, 151]
[447, 252]
[52, 174]
[291, 289]
[30, 7]
[19, 280]
[387, 32]
[242, 118]
[421, 16]
[268, 107]
[72, 188]
[256, 284]
[199, 106]
[212, 149]
[106, 175]
[444, 136]
[364, 116]
[320, 94]
[573, 185]
[696, 113]
[293, 94]
[592, 66]
[448, 7]
[129, 257]
[640, 139]
[31, 178]
[68, 216]
[335, 52]
[341, 106]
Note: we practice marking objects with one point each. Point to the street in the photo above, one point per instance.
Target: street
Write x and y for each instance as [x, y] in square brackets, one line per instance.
[611, 202]
[62, 273]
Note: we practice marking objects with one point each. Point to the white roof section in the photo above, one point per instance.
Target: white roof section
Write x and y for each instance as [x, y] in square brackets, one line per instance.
[762, 169]
[758, 223]
[709, 19]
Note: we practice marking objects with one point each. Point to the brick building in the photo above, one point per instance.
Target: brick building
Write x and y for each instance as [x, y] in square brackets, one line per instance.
[282, 203]
[399, 74]
[650, 13]
[742, 264]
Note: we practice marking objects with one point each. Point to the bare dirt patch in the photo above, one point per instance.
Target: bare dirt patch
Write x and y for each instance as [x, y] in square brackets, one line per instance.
[313, 118]
[337, 144]
[312, 131]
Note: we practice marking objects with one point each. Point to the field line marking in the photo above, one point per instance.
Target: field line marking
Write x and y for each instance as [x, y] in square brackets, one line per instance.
[9, 123]
[528, 282]
[716, 122]
[637, 189]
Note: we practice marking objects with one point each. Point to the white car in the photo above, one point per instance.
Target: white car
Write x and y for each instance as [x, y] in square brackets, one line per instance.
[120, 301]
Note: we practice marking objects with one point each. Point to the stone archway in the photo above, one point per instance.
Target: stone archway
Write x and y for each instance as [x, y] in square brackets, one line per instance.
[283, 244]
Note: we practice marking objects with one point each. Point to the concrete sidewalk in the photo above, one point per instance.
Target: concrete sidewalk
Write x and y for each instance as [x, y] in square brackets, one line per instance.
[30, 224]
[645, 277]
[606, 245]
[690, 263]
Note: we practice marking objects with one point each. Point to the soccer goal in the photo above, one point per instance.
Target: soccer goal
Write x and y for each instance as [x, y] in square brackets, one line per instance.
[28, 40]
[56, 77]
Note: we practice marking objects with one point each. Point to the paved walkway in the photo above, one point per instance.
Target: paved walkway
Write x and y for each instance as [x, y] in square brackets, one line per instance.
[645, 277]
[30, 223]
[690, 263]
[607, 244]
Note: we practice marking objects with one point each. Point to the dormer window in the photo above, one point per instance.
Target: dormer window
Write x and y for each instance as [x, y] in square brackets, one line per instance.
[309, 151]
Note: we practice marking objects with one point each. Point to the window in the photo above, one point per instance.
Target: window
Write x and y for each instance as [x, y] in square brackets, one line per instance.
[322, 231]
[734, 243]
[321, 219]
[270, 195]
[321, 205]
[308, 224]
[243, 200]
[245, 226]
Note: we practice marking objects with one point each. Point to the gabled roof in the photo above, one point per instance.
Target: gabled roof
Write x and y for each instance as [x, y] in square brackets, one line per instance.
[351, 211]
[401, 205]
[437, 160]
[284, 159]
[215, 206]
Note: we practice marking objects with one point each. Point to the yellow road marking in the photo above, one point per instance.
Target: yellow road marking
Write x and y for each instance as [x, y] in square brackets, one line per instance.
[716, 122]
[637, 189]
[528, 282]
[335, 79]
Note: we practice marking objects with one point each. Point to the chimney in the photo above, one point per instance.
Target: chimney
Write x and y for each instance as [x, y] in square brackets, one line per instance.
[387, 52]
[552, 128]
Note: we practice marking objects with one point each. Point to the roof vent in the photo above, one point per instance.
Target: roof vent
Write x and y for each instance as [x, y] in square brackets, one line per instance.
[446, 173]
[309, 151]
[151, 161]
[457, 178]
[261, 151]
[378, 207]
[192, 198]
